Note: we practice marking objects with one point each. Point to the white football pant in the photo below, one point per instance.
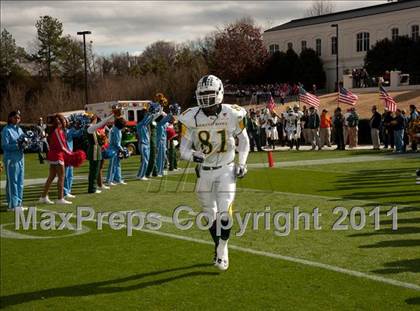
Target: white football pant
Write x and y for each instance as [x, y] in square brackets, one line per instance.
[216, 190]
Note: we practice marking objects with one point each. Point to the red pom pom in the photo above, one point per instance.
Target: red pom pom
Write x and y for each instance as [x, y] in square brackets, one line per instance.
[75, 158]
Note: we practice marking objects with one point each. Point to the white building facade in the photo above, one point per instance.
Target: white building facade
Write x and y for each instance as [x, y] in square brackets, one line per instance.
[358, 31]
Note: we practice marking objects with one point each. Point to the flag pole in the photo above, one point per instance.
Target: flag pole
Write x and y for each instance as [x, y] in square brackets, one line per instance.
[338, 95]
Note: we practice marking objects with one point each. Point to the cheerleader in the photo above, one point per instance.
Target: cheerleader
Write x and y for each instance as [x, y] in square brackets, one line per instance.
[114, 169]
[162, 123]
[13, 161]
[57, 155]
[104, 143]
[71, 134]
[95, 151]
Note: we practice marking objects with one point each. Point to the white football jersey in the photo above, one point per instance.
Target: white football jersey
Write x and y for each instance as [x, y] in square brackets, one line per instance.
[292, 119]
[214, 135]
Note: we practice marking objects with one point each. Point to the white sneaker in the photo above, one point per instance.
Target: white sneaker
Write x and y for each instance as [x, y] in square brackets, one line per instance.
[159, 176]
[122, 182]
[98, 191]
[111, 184]
[222, 261]
[69, 196]
[104, 187]
[142, 178]
[17, 208]
[45, 200]
[63, 202]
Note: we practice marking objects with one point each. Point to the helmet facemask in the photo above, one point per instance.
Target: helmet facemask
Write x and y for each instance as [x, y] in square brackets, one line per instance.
[206, 99]
[209, 91]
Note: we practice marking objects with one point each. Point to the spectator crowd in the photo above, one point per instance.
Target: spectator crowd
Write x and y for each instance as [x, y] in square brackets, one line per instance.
[296, 127]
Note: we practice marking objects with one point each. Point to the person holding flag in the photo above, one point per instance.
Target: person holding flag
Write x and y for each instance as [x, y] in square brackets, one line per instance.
[346, 97]
[375, 124]
[308, 98]
[399, 125]
[271, 105]
[389, 102]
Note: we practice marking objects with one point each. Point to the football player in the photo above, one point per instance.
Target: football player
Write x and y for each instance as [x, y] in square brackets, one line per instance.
[292, 127]
[208, 138]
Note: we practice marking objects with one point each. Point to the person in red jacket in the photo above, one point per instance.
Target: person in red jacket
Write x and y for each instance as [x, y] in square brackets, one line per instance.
[57, 156]
[325, 129]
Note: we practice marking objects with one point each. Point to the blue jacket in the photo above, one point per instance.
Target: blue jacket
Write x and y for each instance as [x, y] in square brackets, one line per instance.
[9, 142]
[115, 139]
[161, 129]
[143, 129]
[71, 134]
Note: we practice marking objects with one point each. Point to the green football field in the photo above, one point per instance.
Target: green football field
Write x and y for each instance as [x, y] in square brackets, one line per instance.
[270, 269]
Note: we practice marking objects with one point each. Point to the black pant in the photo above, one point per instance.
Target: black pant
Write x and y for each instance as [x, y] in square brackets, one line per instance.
[93, 175]
[389, 138]
[339, 138]
[263, 138]
[254, 140]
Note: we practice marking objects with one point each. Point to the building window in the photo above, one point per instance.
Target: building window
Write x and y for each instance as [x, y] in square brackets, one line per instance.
[415, 32]
[333, 45]
[318, 47]
[273, 48]
[303, 45]
[290, 46]
[362, 41]
[394, 33]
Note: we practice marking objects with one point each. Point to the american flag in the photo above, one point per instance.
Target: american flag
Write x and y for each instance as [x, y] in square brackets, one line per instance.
[271, 104]
[308, 98]
[346, 97]
[390, 103]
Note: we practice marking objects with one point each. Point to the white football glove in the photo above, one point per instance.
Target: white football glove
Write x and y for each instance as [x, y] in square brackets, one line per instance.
[240, 170]
[198, 157]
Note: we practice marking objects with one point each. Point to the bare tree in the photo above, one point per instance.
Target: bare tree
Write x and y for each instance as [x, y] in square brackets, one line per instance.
[320, 7]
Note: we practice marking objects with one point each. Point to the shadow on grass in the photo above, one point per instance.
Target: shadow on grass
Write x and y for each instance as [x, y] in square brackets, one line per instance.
[402, 221]
[393, 243]
[408, 265]
[413, 301]
[105, 287]
[402, 230]
[387, 186]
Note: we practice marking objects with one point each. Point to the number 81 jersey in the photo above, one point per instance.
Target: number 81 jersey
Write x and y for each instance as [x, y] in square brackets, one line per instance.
[213, 135]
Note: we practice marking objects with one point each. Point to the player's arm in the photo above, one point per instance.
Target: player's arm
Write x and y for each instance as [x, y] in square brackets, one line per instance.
[243, 148]
[186, 149]
[93, 127]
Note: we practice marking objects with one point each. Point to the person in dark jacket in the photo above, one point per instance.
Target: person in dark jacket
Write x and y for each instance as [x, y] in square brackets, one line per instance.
[338, 123]
[253, 130]
[398, 124]
[313, 124]
[375, 124]
[388, 131]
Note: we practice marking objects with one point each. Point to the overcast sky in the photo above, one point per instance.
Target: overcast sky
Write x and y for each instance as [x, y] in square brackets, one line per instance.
[120, 26]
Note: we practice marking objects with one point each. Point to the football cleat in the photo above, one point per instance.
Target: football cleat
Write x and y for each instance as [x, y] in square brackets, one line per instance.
[222, 261]
[222, 264]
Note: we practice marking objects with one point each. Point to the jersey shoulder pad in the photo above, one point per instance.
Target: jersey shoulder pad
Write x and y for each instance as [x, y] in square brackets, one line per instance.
[187, 117]
[235, 111]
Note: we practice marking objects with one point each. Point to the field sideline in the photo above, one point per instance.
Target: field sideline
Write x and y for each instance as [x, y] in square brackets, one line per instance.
[171, 269]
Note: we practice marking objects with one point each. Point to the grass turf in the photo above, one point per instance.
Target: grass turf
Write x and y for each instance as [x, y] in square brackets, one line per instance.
[105, 269]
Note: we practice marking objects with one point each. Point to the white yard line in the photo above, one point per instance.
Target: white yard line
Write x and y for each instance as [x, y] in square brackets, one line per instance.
[301, 261]
[279, 164]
